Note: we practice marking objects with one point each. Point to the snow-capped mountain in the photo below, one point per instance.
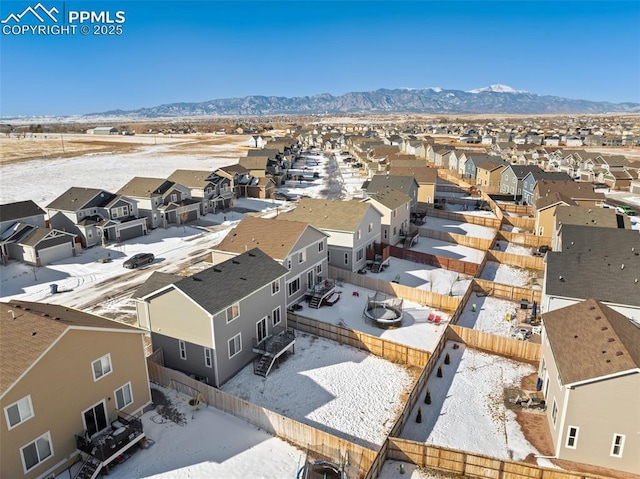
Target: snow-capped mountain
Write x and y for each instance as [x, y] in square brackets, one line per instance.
[498, 88]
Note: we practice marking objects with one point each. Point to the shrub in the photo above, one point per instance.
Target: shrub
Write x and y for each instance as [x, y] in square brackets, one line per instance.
[427, 397]
[439, 372]
[447, 359]
[419, 415]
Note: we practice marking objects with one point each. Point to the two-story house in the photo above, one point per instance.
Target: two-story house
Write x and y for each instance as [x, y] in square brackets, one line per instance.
[96, 216]
[488, 174]
[567, 216]
[163, 202]
[590, 371]
[201, 187]
[426, 177]
[298, 246]
[512, 177]
[72, 384]
[395, 207]
[26, 212]
[532, 177]
[352, 228]
[215, 322]
[404, 184]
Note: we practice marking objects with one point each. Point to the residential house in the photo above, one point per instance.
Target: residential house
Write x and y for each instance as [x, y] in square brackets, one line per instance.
[426, 177]
[352, 226]
[587, 217]
[97, 216]
[255, 165]
[600, 263]
[163, 202]
[548, 194]
[488, 174]
[256, 141]
[617, 179]
[212, 324]
[26, 212]
[72, 384]
[590, 371]
[202, 187]
[472, 162]
[239, 178]
[298, 246]
[395, 207]
[405, 184]
[532, 177]
[512, 177]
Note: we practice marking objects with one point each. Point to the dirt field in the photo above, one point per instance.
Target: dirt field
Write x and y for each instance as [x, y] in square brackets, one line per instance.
[38, 146]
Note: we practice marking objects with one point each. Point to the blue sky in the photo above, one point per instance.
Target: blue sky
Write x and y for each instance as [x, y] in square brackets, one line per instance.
[172, 51]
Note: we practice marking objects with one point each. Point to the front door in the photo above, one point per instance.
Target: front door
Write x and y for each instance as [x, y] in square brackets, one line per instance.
[95, 419]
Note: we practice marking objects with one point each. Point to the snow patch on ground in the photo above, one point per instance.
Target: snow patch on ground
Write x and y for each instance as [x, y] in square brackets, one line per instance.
[507, 274]
[452, 226]
[449, 250]
[490, 315]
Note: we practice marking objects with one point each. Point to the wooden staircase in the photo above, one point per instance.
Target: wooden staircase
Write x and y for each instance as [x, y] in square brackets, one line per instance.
[90, 469]
[315, 301]
[264, 365]
[376, 267]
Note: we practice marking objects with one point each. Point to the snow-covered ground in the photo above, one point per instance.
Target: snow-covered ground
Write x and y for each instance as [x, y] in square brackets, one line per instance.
[460, 209]
[450, 250]
[514, 248]
[210, 444]
[472, 386]
[490, 315]
[416, 331]
[391, 470]
[451, 226]
[507, 274]
[330, 386]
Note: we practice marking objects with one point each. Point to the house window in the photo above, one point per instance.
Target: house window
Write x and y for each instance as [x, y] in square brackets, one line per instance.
[554, 412]
[95, 419]
[395, 230]
[289, 264]
[101, 367]
[183, 349]
[346, 258]
[385, 233]
[293, 287]
[546, 385]
[617, 445]
[123, 396]
[302, 257]
[360, 254]
[261, 330]
[559, 380]
[276, 316]
[328, 256]
[208, 362]
[233, 312]
[120, 212]
[310, 281]
[235, 345]
[275, 287]
[319, 269]
[174, 198]
[36, 452]
[358, 234]
[18, 412]
[572, 437]
[395, 213]
[370, 229]
[321, 247]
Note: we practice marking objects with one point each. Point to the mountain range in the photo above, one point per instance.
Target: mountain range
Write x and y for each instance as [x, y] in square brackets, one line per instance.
[494, 99]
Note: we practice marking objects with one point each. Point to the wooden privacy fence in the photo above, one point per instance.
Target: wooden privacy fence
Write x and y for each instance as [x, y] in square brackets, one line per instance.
[519, 260]
[389, 350]
[516, 209]
[523, 238]
[464, 240]
[505, 291]
[511, 348]
[301, 435]
[470, 464]
[463, 301]
[494, 206]
[520, 222]
[433, 260]
[421, 296]
[465, 218]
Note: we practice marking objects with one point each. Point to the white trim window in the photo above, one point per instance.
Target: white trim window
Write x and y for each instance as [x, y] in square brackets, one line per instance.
[617, 446]
[261, 329]
[36, 452]
[208, 358]
[123, 396]
[321, 247]
[346, 258]
[101, 366]
[554, 412]
[293, 286]
[302, 256]
[18, 412]
[276, 316]
[319, 269]
[360, 254]
[572, 437]
[275, 287]
[289, 264]
[183, 349]
[232, 312]
[235, 345]
[120, 212]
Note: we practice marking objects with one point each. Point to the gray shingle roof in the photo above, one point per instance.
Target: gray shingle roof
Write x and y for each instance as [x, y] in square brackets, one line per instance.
[144, 187]
[590, 340]
[330, 215]
[73, 199]
[390, 198]
[400, 183]
[155, 282]
[19, 210]
[220, 286]
[600, 263]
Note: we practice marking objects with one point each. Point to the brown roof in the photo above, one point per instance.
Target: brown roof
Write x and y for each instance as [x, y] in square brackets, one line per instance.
[590, 340]
[331, 215]
[595, 217]
[422, 174]
[32, 328]
[191, 178]
[571, 189]
[275, 238]
[254, 162]
[390, 198]
[144, 187]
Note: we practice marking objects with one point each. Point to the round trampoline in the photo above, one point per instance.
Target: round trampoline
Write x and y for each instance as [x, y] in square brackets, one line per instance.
[384, 311]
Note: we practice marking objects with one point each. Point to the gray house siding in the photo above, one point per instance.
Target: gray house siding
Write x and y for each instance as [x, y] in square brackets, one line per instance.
[527, 189]
[32, 220]
[62, 222]
[314, 258]
[193, 365]
[508, 182]
[469, 169]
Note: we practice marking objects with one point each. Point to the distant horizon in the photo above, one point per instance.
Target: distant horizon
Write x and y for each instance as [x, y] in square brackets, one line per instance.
[199, 51]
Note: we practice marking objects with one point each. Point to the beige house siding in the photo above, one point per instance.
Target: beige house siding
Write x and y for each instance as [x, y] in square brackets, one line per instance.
[426, 193]
[600, 410]
[552, 390]
[545, 220]
[61, 386]
[168, 310]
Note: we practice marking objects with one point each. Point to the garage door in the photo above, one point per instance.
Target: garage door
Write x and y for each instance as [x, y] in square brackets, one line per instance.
[131, 232]
[55, 253]
[191, 216]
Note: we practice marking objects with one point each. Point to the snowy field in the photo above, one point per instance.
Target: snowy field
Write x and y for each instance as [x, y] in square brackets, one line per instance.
[490, 315]
[44, 180]
[211, 444]
[332, 387]
[452, 226]
[472, 386]
[424, 276]
[507, 274]
[416, 331]
[449, 250]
